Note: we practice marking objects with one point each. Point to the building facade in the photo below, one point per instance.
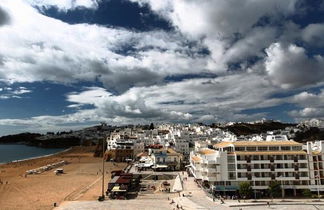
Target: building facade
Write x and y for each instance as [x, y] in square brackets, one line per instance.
[260, 163]
[166, 159]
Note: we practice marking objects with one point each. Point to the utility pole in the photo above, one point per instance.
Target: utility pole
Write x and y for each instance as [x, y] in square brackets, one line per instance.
[318, 183]
[103, 168]
[103, 172]
[282, 186]
[254, 190]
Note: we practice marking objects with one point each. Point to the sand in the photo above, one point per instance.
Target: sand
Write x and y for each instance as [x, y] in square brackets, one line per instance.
[81, 180]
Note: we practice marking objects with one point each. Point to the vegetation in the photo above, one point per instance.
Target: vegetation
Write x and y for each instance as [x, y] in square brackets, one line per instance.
[151, 126]
[307, 193]
[274, 189]
[22, 137]
[32, 140]
[99, 151]
[310, 134]
[257, 128]
[245, 189]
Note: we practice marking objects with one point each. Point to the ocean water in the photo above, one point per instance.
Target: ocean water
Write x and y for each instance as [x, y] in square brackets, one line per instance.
[13, 152]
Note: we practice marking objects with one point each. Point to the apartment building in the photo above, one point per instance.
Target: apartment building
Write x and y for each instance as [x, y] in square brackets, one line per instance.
[166, 159]
[123, 147]
[181, 146]
[315, 155]
[260, 162]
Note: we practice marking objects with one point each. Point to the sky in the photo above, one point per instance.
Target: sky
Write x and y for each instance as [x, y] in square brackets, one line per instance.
[68, 64]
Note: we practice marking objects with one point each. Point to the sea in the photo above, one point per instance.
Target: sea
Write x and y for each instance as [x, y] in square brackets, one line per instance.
[14, 152]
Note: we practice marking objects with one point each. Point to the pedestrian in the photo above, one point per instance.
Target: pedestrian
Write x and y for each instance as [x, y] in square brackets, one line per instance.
[268, 203]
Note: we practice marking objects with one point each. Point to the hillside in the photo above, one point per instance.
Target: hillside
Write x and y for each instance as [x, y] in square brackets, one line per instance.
[310, 134]
[32, 140]
[257, 128]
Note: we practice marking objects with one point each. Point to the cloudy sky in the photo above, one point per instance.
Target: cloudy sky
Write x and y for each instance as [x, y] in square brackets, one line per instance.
[67, 64]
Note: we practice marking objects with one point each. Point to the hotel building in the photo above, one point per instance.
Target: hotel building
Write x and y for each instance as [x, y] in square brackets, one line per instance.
[295, 166]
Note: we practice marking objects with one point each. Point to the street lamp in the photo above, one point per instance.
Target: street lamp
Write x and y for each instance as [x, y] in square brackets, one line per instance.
[282, 186]
[102, 197]
[254, 189]
[318, 182]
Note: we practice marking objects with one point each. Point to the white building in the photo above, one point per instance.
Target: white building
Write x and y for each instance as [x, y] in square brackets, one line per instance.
[260, 163]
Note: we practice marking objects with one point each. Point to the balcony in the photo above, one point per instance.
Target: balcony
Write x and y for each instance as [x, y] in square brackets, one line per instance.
[260, 161]
[241, 178]
[285, 169]
[261, 178]
[286, 178]
[242, 170]
[241, 161]
[260, 170]
[284, 161]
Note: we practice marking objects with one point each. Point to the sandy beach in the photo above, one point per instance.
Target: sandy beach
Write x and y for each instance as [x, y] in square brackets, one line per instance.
[81, 180]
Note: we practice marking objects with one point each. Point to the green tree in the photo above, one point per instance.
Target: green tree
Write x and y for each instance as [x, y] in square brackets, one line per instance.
[245, 189]
[274, 189]
[307, 193]
[152, 126]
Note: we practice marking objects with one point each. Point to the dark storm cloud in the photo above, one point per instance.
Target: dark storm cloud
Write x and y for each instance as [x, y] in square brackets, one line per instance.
[4, 17]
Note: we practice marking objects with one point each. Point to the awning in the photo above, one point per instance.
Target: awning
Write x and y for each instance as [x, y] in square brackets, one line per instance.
[225, 188]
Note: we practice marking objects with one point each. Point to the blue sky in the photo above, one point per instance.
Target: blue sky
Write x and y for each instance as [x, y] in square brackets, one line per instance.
[66, 64]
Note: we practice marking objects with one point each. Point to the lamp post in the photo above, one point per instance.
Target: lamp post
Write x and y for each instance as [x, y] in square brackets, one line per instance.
[282, 187]
[254, 190]
[318, 182]
[224, 189]
[103, 172]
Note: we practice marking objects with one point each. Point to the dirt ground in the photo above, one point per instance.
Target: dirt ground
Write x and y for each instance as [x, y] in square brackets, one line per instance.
[81, 180]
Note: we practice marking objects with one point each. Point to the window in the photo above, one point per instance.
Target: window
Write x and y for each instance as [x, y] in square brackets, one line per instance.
[296, 148]
[230, 158]
[285, 148]
[228, 149]
[304, 174]
[302, 157]
[273, 148]
[231, 167]
[262, 148]
[303, 165]
[278, 157]
[256, 157]
[256, 166]
[231, 176]
[251, 148]
[239, 148]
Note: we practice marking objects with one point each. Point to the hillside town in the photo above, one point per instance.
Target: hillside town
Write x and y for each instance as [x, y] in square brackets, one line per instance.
[220, 161]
